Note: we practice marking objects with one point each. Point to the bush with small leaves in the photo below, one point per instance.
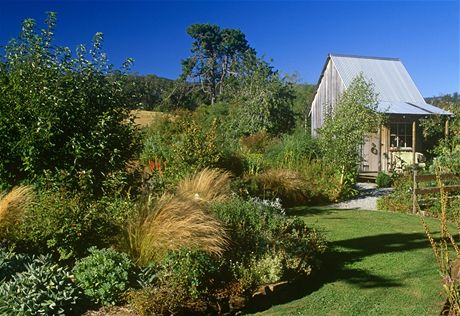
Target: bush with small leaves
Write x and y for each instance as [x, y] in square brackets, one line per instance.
[104, 275]
[44, 288]
[66, 225]
[183, 279]
[383, 180]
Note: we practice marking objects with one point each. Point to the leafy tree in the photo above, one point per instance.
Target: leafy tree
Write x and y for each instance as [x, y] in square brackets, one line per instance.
[447, 149]
[217, 55]
[344, 130]
[304, 94]
[182, 95]
[262, 101]
[61, 115]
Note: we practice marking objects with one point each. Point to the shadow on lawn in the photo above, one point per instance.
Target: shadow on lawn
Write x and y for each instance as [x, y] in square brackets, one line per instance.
[343, 253]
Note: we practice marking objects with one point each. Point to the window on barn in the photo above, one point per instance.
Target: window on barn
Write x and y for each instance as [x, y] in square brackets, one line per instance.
[401, 135]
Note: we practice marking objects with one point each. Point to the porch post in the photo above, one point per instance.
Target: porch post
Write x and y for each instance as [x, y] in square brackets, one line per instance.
[380, 148]
[446, 128]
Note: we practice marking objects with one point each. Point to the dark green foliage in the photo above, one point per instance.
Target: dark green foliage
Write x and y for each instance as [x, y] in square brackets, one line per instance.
[11, 263]
[66, 225]
[217, 55]
[146, 92]
[43, 288]
[383, 180]
[103, 275]
[184, 278]
[61, 115]
[182, 95]
[304, 94]
[189, 272]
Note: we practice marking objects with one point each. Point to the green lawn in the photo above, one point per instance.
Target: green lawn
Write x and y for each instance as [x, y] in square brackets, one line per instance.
[380, 263]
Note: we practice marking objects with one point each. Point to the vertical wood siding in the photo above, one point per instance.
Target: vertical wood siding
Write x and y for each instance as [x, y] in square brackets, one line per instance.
[328, 92]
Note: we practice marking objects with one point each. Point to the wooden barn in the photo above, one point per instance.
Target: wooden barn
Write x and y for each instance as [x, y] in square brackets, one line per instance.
[398, 97]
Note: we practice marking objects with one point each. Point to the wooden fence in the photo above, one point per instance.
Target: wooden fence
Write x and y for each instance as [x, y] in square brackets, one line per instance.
[417, 190]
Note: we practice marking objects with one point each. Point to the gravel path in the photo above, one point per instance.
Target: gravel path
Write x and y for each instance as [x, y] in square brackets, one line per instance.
[367, 198]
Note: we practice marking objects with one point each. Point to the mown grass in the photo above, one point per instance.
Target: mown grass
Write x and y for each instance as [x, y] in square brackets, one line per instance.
[380, 263]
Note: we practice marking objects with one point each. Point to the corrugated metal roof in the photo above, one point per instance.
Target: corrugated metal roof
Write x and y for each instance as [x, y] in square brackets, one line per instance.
[392, 81]
[409, 108]
[395, 88]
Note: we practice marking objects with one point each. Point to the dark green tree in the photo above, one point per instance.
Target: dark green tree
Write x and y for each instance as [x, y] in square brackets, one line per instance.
[217, 54]
[61, 115]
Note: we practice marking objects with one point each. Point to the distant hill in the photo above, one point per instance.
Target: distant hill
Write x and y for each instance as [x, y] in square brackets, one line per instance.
[449, 102]
[147, 91]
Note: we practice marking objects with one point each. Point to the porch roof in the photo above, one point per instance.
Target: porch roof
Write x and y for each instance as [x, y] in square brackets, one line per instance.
[418, 108]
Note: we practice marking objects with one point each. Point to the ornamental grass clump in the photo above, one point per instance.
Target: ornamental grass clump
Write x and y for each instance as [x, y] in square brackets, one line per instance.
[182, 220]
[208, 185]
[12, 206]
[288, 185]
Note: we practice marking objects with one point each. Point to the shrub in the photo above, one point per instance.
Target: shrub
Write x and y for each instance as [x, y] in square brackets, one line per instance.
[383, 180]
[257, 143]
[253, 163]
[12, 206]
[197, 147]
[249, 225]
[322, 181]
[103, 275]
[43, 288]
[182, 146]
[258, 230]
[184, 280]
[400, 200]
[65, 225]
[265, 247]
[61, 115]
[267, 269]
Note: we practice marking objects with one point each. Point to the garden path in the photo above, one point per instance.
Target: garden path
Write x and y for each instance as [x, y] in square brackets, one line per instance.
[366, 199]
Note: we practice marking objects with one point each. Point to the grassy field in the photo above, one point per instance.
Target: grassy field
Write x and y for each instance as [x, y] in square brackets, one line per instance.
[380, 264]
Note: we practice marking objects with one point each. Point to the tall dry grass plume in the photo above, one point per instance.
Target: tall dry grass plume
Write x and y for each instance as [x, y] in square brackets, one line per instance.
[286, 184]
[12, 207]
[208, 185]
[175, 222]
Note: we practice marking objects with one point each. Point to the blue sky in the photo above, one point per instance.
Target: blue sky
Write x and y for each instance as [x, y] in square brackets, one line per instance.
[297, 35]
